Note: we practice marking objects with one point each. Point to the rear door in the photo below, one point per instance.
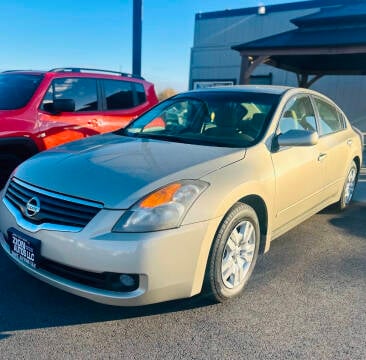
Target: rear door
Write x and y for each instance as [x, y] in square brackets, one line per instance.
[123, 101]
[334, 145]
[85, 121]
[299, 175]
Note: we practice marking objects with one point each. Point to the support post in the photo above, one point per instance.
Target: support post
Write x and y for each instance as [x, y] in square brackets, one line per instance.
[304, 82]
[248, 66]
[136, 37]
[243, 80]
[315, 78]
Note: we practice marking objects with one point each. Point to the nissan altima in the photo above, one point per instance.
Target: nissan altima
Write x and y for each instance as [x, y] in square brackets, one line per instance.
[184, 199]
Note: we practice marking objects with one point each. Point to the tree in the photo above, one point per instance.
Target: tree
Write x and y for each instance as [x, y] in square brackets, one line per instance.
[166, 93]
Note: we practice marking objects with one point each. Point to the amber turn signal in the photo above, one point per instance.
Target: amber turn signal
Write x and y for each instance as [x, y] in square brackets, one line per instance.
[161, 196]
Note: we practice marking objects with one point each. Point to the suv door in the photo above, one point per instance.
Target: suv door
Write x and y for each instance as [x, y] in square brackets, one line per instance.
[84, 121]
[333, 145]
[298, 172]
[122, 102]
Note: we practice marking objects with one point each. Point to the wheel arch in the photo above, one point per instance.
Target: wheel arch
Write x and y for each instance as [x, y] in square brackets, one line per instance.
[260, 207]
[253, 200]
[357, 160]
[20, 146]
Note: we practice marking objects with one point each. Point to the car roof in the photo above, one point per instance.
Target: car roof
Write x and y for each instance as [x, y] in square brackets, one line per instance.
[262, 89]
[28, 72]
[266, 89]
[79, 72]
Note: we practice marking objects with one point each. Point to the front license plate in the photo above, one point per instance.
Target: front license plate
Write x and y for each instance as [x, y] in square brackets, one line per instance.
[24, 247]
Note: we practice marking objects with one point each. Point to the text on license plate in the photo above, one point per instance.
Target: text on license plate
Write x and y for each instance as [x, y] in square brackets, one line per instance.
[24, 249]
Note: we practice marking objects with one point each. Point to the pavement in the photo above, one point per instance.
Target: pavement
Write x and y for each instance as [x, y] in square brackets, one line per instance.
[305, 300]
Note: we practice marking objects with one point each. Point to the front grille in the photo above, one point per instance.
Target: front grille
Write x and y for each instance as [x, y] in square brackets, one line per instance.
[53, 208]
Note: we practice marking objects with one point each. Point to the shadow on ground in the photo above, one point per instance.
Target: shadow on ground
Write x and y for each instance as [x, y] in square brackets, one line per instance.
[26, 303]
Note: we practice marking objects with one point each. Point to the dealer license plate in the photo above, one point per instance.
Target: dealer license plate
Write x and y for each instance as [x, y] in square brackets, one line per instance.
[24, 247]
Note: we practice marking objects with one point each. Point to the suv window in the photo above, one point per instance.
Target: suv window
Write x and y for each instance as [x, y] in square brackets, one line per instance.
[329, 118]
[82, 90]
[17, 89]
[298, 115]
[118, 94]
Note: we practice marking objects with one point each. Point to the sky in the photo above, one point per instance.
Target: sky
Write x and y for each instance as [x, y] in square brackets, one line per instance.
[44, 34]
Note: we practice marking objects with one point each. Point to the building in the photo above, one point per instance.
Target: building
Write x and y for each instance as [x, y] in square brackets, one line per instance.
[319, 44]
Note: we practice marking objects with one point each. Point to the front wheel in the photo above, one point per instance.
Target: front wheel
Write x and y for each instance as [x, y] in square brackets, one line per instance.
[348, 187]
[233, 254]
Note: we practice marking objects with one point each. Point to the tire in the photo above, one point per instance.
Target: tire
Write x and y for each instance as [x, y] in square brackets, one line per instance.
[232, 258]
[348, 187]
[8, 162]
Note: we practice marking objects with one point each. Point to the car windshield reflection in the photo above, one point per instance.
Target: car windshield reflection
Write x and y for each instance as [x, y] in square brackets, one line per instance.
[213, 118]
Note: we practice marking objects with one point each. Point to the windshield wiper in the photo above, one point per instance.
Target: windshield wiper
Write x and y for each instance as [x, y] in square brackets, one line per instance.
[163, 137]
[207, 142]
[185, 140]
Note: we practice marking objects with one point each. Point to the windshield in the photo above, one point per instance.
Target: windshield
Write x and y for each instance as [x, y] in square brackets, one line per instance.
[17, 89]
[217, 118]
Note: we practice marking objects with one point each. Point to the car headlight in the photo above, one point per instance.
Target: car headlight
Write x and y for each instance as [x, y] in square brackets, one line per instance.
[163, 209]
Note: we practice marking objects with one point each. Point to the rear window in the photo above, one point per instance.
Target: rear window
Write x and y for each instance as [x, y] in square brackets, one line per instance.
[141, 96]
[17, 89]
[330, 119]
[118, 94]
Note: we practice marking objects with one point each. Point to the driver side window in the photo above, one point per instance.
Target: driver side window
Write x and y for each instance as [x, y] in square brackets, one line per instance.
[298, 114]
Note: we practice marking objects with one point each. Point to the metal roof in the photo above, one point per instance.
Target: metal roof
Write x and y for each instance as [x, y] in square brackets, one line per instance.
[272, 8]
[315, 37]
[331, 41]
[351, 13]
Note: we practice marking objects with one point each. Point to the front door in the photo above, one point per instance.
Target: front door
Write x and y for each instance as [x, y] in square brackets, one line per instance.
[298, 171]
[84, 121]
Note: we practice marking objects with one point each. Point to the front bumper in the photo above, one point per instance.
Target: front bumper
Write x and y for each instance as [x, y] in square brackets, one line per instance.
[170, 263]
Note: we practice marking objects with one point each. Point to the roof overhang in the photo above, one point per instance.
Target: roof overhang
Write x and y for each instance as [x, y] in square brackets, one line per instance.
[331, 63]
[319, 50]
[326, 61]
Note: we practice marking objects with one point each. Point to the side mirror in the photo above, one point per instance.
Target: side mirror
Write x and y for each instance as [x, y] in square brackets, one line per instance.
[60, 105]
[298, 138]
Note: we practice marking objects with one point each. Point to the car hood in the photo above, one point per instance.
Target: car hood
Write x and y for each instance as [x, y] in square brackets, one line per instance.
[118, 170]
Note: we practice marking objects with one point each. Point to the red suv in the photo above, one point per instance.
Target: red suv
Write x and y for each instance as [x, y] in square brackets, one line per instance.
[39, 110]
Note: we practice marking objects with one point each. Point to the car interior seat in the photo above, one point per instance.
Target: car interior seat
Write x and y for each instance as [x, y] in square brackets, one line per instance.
[225, 123]
[288, 121]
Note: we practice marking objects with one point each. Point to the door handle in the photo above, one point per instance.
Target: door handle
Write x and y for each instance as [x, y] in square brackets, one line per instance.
[94, 122]
[322, 156]
[349, 142]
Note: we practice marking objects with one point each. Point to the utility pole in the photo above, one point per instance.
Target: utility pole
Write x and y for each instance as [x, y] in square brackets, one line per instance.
[136, 37]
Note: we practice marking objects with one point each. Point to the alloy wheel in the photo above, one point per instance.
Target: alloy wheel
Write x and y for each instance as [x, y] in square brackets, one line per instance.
[350, 185]
[238, 254]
